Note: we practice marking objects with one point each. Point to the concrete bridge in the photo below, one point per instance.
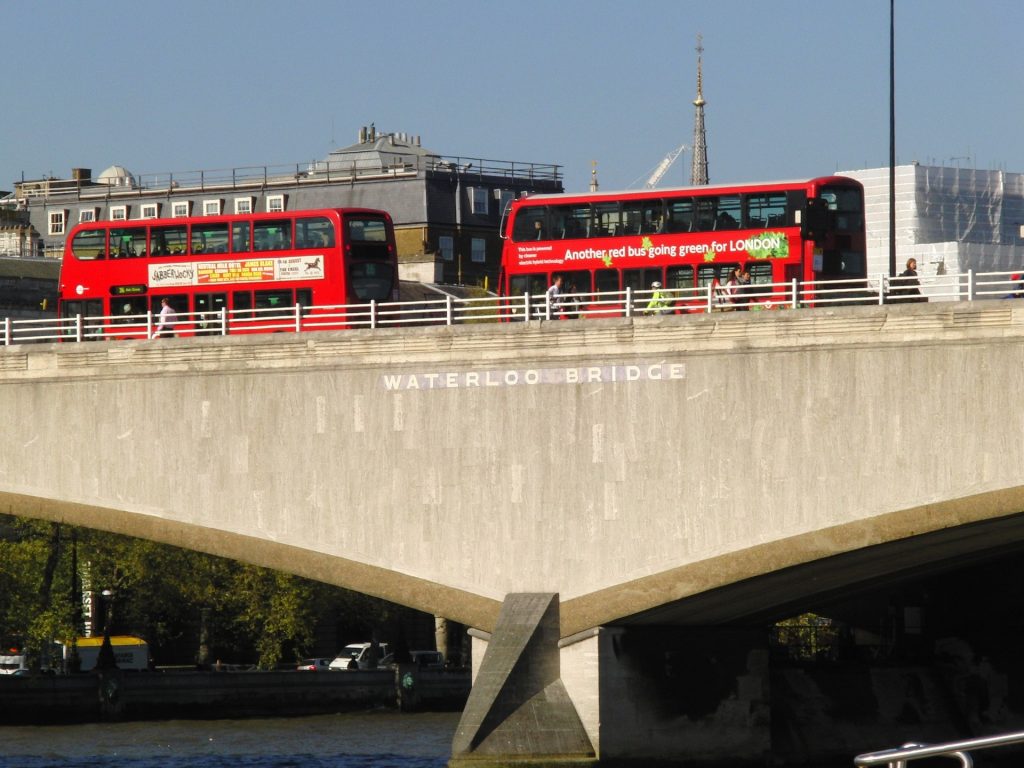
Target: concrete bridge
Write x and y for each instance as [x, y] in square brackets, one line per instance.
[561, 487]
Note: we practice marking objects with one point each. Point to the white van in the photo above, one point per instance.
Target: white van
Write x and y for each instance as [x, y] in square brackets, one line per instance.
[357, 656]
[13, 664]
[129, 652]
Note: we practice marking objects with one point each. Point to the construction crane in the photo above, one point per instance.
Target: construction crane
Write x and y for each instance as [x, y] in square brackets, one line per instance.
[663, 166]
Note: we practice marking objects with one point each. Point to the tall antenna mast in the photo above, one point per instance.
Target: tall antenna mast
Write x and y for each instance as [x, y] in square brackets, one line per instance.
[699, 168]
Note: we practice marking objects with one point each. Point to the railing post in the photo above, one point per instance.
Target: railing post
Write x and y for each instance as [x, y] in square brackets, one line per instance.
[970, 285]
[449, 310]
[882, 280]
[711, 297]
[795, 287]
[298, 317]
[223, 321]
[527, 306]
[547, 306]
[629, 301]
[373, 314]
[78, 327]
[149, 324]
[8, 333]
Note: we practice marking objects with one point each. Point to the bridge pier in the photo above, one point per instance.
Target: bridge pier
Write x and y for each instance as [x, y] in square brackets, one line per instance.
[613, 695]
[519, 712]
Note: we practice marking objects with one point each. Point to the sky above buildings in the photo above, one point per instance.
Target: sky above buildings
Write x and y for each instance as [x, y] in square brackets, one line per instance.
[793, 87]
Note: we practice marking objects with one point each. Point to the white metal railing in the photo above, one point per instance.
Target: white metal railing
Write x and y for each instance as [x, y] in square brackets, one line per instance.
[449, 310]
[958, 750]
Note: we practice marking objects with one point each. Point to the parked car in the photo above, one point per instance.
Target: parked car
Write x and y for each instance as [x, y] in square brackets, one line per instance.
[422, 659]
[314, 665]
[357, 656]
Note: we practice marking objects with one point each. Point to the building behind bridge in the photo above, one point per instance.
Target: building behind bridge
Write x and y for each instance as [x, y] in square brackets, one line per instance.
[950, 219]
[446, 210]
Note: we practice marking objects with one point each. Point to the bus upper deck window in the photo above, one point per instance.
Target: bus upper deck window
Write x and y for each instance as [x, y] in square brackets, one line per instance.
[240, 236]
[316, 232]
[89, 244]
[272, 236]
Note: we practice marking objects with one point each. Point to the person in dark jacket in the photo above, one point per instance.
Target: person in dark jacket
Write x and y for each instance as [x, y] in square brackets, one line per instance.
[909, 289]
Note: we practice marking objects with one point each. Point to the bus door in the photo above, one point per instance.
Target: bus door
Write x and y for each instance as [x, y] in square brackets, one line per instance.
[128, 307]
[640, 281]
[90, 310]
[518, 285]
[706, 275]
[207, 308]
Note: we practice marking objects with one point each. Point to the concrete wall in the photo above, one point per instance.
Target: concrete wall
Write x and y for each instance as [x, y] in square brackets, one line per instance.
[132, 695]
[621, 463]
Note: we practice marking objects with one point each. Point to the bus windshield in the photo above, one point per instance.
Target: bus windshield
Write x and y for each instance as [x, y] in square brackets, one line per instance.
[847, 206]
[367, 237]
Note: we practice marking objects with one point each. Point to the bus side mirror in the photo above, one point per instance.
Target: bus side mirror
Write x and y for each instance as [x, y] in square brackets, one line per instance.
[504, 217]
[814, 222]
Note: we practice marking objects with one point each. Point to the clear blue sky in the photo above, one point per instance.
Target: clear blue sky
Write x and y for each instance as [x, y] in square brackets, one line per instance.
[793, 87]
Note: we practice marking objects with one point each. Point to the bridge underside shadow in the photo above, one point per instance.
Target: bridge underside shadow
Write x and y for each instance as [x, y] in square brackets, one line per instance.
[783, 593]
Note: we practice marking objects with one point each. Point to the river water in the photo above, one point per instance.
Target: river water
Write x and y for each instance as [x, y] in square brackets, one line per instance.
[384, 739]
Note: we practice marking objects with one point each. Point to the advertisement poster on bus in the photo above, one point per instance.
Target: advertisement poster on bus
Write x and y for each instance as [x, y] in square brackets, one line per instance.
[307, 267]
[628, 253]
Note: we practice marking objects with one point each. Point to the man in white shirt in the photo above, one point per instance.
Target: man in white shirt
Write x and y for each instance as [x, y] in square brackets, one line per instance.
[166, 320]
[555, 296]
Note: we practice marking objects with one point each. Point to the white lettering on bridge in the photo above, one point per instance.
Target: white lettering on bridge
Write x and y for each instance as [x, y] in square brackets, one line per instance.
[513, 377]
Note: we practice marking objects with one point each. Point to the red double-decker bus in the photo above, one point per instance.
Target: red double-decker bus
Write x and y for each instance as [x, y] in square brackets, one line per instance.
[811, 231]
[247, 265]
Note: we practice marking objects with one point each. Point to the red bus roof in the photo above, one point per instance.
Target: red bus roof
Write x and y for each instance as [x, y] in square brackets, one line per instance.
[640, 194]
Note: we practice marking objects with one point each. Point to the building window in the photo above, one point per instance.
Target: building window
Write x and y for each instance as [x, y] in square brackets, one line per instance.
[211, 207]
[57, 221]
[275, 203]
[150, 211]
[478, 199]
[118, 212]
[180, 209]
[478, 250]
[87, 214]
[505, 198]
[446, 244]
[243, 205]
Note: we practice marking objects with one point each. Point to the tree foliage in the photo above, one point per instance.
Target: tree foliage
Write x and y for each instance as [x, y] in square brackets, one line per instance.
[176, 599]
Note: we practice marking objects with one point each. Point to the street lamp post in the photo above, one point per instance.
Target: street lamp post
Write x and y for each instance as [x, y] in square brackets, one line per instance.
[892, 139]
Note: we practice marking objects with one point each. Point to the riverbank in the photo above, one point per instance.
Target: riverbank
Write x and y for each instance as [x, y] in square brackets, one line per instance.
[125, 696]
